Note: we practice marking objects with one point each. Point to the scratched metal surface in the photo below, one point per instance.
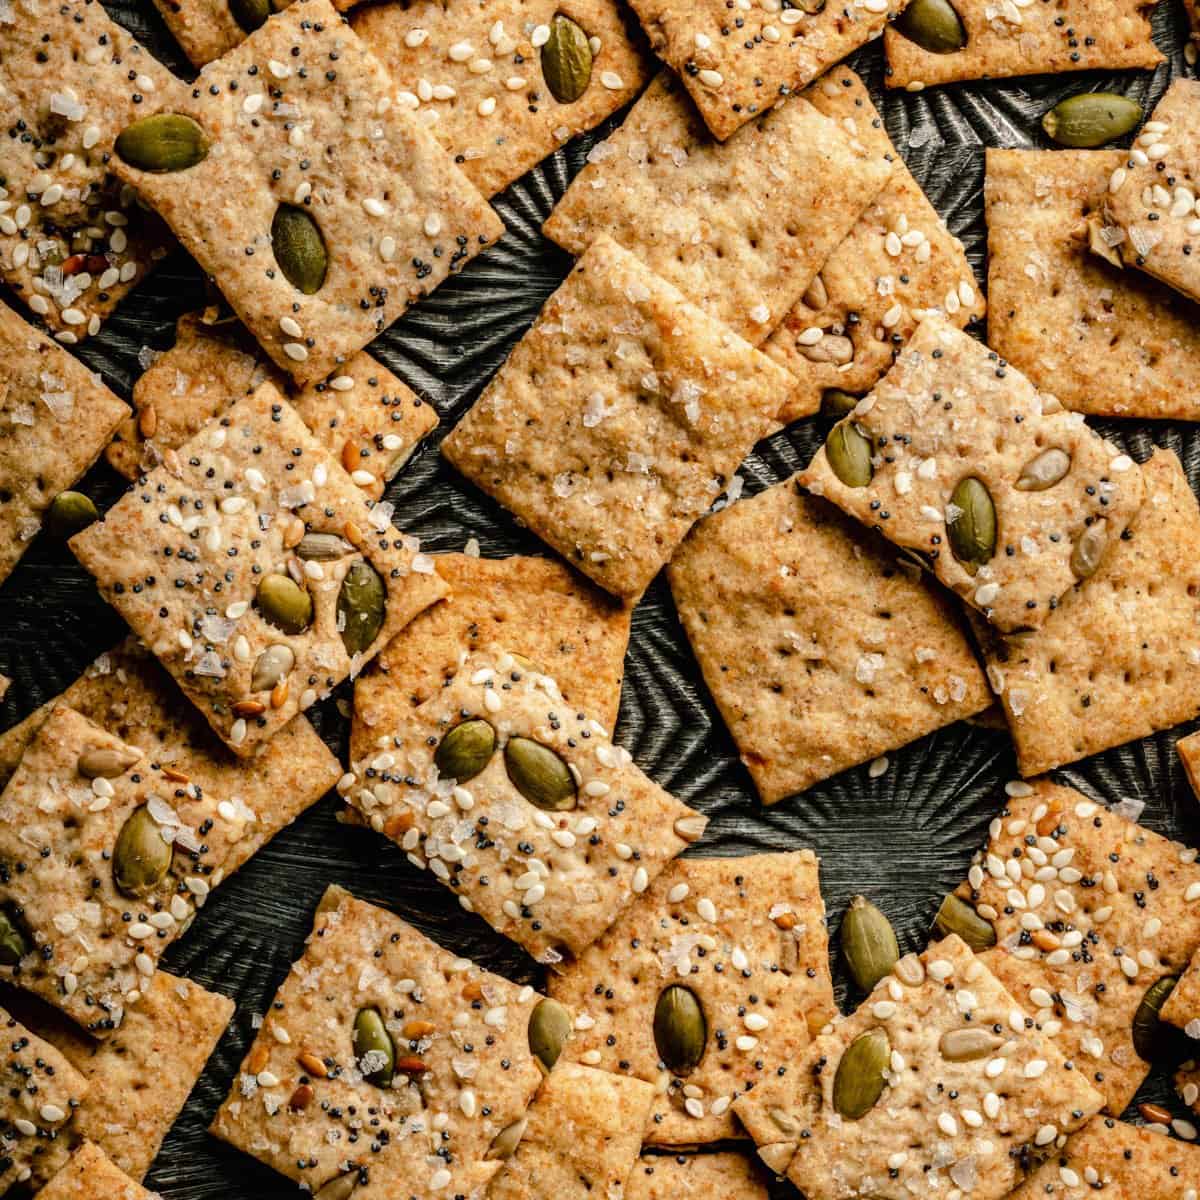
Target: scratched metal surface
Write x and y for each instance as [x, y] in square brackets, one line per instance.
[904, 838]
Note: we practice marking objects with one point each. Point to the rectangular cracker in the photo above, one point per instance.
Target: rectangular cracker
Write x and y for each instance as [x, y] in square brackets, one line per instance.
[740, 228]
[370, 420]
[471, 70]
[696, 1177]
[73, 241]
[91, 1175]
[1008, 39]
[1118, 659]
[582, 1137]
[617, 420]
[898, 264]
[949, 410]
[55, 417]
[821, 649]
[395, 214]
[1183, 1004]
[464, 1069]
[535, 607]
[949, 1118]
[747, 937]
[552, 874]
[738, 68]
[252, 485]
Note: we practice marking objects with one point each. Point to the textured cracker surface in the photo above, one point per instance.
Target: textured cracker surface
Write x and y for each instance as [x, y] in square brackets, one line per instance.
[91, 1175]
[1183, 1005]
[696, 1177]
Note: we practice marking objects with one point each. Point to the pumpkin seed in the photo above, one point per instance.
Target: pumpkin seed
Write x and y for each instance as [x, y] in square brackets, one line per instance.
[284, 603]
[539, 774]
[934, 25]
[361, 605]
[69, 512]
[680, 1030]
[106, 762]
[341, 1187]
[465, 750]
[849, 452]
[322, 547]
[1151, 1039]
[504, 1144]
[161, 143]
[859, 1081]
[1087, 121]
[299, 248]
[13, 943]
[1089, 549]
[956, 916]
[549, 1028]
[566, 60]
[837, 404]
[140, 858]
[271, 666]
[967, 1045]
[249, 14]
[868, 942]
[972, 533]
[1044, 471]
[373, 1048]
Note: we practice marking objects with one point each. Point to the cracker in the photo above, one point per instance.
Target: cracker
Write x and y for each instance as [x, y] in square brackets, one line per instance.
[369, 419]
[550, 878]
[696, 1177]
[740, 228]
[949, 410]
[535, 607]
[471, 70]
[944, 1123]
[582, 1137]
[898, 264]
[251, 484]
[738, 69]
[1118, 659]
[1105, 342]
[1188, 749]
[1183, 1005]
[55, 417]
[747, 937]
[396, 216]
[617, 420]
[90, 1175]
[821, 650]
[1004, 40]
[457, 1084]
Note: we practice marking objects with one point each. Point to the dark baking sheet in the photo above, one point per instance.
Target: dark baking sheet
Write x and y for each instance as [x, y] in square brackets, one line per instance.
[903, 839]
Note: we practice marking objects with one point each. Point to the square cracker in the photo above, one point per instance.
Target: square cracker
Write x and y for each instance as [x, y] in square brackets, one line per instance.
[73, 240]
[534, 607]
[898, 264]
[1007, 39]
[1183, 1004]
[740, 228]
[91, 1175]
[736, 69]
[746, 936]
[950, 410]
[549, 873]
[582, 1136]
[55, 417]
[1107, 342]
[1119, 658]
[948, 1117]
[1188, 749]
[366, 417]
[464, 1069]
[696, 1177]
[395, 214]
[821, 650]
[618, 419]
[472, 71]
[253, 485]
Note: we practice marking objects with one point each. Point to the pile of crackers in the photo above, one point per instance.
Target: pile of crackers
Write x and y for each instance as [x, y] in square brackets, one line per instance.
[750, 251]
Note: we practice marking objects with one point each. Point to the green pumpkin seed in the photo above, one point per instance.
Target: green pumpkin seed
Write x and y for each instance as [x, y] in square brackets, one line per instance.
[967, 1045]
[934, 25]
[161, 143]
[956, 916]
[284, 603]
[465, 750]
[680, 1030]
[341, 1187]
[1089, 549]
[837, 404]
[106, 762]
[373, 1048]
[249, 14]
[141, 859]
[322, 547]
[972, 533]
[566, 60]
[504, 1144]
[849, 452]
[1044, 471]
[13, 943]
[271, 666]
[69, 512]
[1091, 120]
[1151, 1039]
[868, 942]
[859, 1081]
[539, 775]
[361, 606]
[299, 248]
[549, 1028]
